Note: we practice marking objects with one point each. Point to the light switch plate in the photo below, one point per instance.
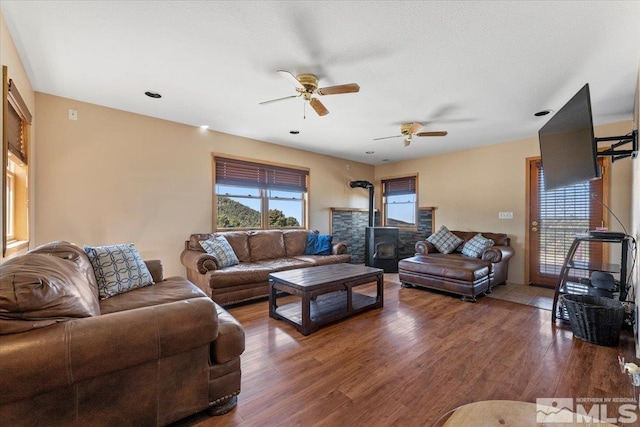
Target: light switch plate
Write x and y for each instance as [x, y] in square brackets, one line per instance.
[505, 215]
[73, 114]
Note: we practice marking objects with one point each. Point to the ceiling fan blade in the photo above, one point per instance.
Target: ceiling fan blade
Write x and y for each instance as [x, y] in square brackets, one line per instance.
[278, 99]
[415, 127]
[334, 90]
[387, 137]
[289, 76]
[319, 107]
[438, 133]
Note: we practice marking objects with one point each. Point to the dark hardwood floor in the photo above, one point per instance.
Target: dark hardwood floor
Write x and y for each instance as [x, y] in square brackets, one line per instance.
[408, 364]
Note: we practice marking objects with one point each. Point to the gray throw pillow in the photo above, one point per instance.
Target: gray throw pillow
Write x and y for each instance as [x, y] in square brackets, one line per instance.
[476, 246]
[444, 240]
[221, 250]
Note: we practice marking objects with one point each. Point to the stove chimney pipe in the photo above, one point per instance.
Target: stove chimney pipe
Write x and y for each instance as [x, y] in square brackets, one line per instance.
[365, 184]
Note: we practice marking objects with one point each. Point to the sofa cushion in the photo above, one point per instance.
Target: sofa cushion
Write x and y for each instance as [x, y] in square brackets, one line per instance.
[455, 268]
[72, 253]
[295, 241]
[241, 274]
[171, 289]
[444, 240]
[318, 244]
[281, 264]
[499, 239]
[239, 241]
[325, 259]
[221, 250]
[475, 247]
[266, 244]
[38, 290]
[118, 269]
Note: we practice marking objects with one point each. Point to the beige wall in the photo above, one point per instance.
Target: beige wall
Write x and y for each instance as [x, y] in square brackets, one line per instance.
[468, 189]
[114, 177]
[9, 57]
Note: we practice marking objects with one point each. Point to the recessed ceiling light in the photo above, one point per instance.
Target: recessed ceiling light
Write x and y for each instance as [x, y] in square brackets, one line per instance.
[369, 152]
[204, 127]
[153, 94]
[542, 113]
[294, 132]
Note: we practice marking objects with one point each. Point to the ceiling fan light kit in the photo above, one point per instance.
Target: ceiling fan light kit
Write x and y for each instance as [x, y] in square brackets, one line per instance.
[409, 129]
[307, 86]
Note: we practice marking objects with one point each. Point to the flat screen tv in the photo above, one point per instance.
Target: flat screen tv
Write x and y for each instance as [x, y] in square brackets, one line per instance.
[567, 144]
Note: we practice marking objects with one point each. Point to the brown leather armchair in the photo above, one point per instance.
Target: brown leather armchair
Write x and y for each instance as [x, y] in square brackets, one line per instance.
[149, 356]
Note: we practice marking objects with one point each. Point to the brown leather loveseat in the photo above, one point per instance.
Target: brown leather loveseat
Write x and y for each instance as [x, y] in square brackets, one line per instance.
[148, 356]
[456, 273]
[259, 253]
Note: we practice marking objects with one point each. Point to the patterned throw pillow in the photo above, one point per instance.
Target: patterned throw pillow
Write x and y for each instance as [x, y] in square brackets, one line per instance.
[221, 250]
[118, 269]
[444, 240]
[476, 246]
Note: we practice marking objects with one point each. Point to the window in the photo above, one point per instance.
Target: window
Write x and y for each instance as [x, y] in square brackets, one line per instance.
[15, 156]
[400, 202]
[11, 201]
[250, 195]
[563, 213]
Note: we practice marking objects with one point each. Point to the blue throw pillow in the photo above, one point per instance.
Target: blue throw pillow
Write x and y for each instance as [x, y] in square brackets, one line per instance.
[318, 244]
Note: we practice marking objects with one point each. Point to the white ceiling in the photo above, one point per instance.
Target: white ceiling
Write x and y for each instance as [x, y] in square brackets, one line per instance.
[476, 69]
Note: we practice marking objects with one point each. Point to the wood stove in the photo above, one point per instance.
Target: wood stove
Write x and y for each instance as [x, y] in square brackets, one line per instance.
[381, 248]
[381, 244]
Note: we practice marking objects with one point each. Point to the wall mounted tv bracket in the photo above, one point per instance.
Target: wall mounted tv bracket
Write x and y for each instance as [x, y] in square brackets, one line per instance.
[620, 154]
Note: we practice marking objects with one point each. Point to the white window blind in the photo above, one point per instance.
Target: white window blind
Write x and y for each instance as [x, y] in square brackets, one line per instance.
[563, 213]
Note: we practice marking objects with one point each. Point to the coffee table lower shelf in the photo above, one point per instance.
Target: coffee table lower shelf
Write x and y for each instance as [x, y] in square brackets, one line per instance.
[327, 308]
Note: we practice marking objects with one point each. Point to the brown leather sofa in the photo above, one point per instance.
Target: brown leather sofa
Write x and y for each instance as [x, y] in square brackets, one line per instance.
[260, 253]
[149, 356]
[456, 273]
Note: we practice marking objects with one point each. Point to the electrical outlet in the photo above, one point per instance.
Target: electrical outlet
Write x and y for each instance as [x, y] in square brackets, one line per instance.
[505, 215]
[73, 114]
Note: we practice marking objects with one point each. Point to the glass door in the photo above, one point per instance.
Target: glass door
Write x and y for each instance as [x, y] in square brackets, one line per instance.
[556, 217]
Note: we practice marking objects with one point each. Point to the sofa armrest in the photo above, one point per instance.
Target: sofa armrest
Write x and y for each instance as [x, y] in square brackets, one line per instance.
[230, 341]
[339, 248]
[198, 261]
[70, 352]
[155, 268]
[423, 247]
[497, 253]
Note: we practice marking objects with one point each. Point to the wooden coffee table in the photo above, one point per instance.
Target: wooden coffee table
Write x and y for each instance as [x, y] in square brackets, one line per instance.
[326, 294]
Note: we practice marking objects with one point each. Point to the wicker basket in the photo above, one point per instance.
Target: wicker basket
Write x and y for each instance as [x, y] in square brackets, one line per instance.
[597, 320]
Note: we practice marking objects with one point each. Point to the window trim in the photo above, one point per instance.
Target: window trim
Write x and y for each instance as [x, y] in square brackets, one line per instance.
[11, 98]
[264, 188]
[383, 181]
[10, 211]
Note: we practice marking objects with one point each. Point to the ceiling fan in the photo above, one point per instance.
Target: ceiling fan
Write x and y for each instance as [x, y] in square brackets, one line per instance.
[409, 129]
[307, 86]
